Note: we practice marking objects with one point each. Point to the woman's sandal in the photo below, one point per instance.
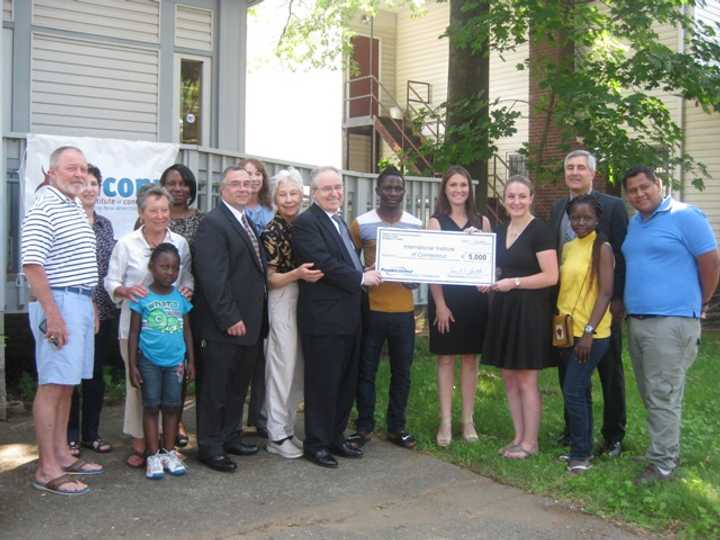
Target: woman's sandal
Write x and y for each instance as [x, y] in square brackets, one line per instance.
[469, 433]
[74, 447]
[507, 448]
[98, 445]
[136, 460]
[518, 452]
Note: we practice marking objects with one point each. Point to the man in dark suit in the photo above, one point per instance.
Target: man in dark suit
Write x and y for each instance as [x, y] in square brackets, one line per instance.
[580, 167]
[229, 320]
[329, 319]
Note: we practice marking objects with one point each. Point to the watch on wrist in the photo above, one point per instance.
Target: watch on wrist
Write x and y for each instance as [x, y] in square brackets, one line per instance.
[589, 329]
[516, 282]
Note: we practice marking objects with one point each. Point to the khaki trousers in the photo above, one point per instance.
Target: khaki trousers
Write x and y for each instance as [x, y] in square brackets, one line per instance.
[284, 363]
[662, 350]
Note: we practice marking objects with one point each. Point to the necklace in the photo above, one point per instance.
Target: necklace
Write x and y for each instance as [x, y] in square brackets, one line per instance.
[152, 243]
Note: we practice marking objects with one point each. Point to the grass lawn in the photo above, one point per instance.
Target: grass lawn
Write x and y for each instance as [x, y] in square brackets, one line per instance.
[689, 506]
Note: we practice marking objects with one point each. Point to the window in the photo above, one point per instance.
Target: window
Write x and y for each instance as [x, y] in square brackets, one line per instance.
[517, 164]
[192, 100]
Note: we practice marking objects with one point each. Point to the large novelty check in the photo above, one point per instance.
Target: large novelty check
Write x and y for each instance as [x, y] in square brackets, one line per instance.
[450, 258]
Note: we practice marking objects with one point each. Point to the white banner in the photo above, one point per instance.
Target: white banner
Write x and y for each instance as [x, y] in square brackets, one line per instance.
[126, 166]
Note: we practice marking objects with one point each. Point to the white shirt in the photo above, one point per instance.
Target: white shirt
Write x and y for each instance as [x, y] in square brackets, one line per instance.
[330, 215]
[129, 266]
[235, 212]
[56, 235]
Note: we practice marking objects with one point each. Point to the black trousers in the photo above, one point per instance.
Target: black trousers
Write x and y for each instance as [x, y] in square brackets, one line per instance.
[331, 369]
[223, 375]
[612, 378]
[256, 416]
[84, 419]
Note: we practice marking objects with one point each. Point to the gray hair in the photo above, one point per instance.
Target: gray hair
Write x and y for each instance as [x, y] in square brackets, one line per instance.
[589, 159]
[232, 168]
[284, 177]
[317, 172]
[151, 190]
[55, 156]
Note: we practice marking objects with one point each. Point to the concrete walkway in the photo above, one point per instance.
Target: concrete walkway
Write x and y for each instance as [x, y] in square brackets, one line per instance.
[390, 493]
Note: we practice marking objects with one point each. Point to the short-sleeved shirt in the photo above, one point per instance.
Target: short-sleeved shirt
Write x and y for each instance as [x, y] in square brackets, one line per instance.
[162, 338]
[105, 240]
[388, 297]
[660, 254]
[579, 288]
[57, 235]
[276, 239]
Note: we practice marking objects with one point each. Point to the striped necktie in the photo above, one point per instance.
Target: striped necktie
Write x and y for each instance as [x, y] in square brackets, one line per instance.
[347, 241]
[251, 233]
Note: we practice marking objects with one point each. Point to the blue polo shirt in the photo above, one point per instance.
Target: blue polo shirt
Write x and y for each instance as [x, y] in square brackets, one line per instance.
[660, 254]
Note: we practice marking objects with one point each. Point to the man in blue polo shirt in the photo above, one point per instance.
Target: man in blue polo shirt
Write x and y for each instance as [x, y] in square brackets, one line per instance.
[672, 272]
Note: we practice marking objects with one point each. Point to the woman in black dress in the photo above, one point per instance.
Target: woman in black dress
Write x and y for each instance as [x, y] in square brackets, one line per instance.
[457, 313]
[519, 328]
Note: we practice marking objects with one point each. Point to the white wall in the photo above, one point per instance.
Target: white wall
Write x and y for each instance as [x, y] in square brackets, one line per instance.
[295, 116]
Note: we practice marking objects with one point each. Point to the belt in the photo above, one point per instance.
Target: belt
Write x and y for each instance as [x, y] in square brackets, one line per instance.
[75, 290]
[641, 317]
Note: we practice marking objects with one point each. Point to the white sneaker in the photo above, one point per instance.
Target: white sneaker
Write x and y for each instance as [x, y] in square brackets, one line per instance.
[297, 442]
[172, 463]
[154, 467]
[285, 449]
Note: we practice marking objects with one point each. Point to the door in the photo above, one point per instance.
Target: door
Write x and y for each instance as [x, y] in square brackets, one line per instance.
[366, 62]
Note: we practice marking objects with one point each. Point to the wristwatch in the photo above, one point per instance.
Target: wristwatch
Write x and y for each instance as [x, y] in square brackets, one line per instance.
[589, 329]
[516, 282]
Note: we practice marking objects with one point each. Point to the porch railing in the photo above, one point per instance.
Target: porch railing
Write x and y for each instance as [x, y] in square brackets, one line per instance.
[207, 164]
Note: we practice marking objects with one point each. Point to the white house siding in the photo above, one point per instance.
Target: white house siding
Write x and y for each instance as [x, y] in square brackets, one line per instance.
[193, 28]
[93, 89]
[384, 30]
[7, 10]
[137, 20]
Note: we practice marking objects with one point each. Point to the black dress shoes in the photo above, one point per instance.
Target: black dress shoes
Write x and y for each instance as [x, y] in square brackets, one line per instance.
[347, 450]
[322, 458]
[242, 449]
[219, 463]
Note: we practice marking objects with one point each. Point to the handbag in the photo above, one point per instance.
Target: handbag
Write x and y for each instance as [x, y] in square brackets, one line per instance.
[562, 324]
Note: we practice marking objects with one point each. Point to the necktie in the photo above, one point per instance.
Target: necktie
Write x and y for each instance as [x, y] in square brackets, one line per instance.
[347, 241]
[251, 233]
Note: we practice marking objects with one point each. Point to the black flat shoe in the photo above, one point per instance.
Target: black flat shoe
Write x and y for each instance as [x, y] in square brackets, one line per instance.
[219, 463]
[181, 441]
[347, 450]
[242, 449]
[402, 439]
[322, 458]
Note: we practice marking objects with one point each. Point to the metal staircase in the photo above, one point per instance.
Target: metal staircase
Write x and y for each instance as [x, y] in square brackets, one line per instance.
[407, 130]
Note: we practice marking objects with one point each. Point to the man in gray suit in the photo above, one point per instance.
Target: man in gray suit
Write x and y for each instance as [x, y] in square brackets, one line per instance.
[580, 167]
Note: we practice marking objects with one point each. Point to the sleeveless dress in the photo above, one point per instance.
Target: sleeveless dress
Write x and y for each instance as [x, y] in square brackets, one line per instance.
[519, 333]
[469, 308]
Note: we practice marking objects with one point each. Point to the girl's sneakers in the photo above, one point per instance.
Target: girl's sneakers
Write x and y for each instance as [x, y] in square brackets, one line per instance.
[172, 464]
[164, 462]
[154, 467]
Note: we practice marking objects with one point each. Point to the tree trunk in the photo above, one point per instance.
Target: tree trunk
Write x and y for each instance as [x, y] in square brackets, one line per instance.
[468, 77]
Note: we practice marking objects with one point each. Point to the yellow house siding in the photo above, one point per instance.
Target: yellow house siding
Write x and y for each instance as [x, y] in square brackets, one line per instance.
[421, 54]
[360, 155]
[7, 10]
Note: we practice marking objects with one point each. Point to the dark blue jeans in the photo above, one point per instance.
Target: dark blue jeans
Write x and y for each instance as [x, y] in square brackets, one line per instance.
[398, 329]
[578, 378]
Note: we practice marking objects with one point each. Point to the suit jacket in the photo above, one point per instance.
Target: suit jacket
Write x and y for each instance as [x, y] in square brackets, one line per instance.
[613, 224]
[229, 280]
[332, 305]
